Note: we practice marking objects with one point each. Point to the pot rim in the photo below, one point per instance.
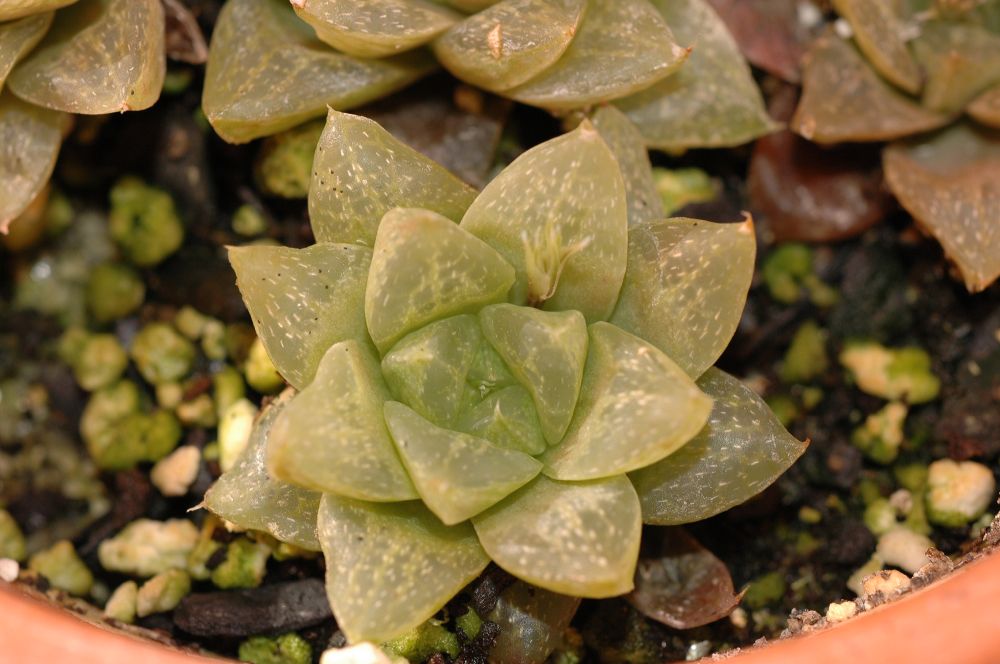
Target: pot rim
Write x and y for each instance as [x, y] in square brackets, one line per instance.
[953, 619]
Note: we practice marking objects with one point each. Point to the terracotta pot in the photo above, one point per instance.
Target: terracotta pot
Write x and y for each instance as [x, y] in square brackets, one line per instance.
[951, 621]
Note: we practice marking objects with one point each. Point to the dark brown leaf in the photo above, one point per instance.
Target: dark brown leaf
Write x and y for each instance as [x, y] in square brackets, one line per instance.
[768, 32]
[184, 39]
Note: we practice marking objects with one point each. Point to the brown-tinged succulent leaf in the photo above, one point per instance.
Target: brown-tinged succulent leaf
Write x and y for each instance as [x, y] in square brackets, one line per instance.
[681, 584]
[332, 437]
[471, 6]
[738, 454]
[621, 47]
[546, 351]
[627, 144]
[14, 9]
[950, 183]
[390, 567]
[424, 268]
[574, 538]
[685, 287]
[636, 407]
[375, 28]
[251, 498]
[986, 107]
[532, 623]
[360, 172]
[18, 37]
[30, 138]
[99, 56]
[456, 475]
[844, 99]
[510, 42]
[961, 60]
[184, 40]
[558, 215]
[712, 101]
[879, 33]
[267, 72]
[769, 33]
[302, 301]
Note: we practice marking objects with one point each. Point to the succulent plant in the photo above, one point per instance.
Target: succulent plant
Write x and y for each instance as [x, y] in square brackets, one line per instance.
[273, 65]
[522, 374]
[59, 57]
[925, 75]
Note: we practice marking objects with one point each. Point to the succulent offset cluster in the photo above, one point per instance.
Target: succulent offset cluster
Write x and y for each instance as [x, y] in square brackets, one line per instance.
[911, 68]
[521, 374]
[670, 65]
[68, 56]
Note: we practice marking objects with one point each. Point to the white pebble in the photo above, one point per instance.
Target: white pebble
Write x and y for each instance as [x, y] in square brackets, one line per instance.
[958, 491]
[9, 569]
[174, 474]
[362, 653]
[887, 582]
[901, 547]
[841, 611]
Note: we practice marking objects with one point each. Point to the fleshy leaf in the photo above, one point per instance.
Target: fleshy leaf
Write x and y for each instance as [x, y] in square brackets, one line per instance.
[332, 437]
[267, 72]
[685, 288]
[374, 28]
[14, 9]
[681, 584]
[360, 172]
[948, 182]
[510, 42]
[629, 148]
[532, 623]
[506, 418]
[769, 33]
[579, 538]
[251, 498]
[302, 301]
[739, 453]
[636, 407]
[558, 215]
[456, 475]
[390, 567]
[878, 32]
[622, 46]
[843, 99]
[546, 351]
[30, 138]
[427, 369]
[471, 5]
[960, 60]
[986, 107]
[17, 38]
[424, 268]
[712, 101]
[99, 56]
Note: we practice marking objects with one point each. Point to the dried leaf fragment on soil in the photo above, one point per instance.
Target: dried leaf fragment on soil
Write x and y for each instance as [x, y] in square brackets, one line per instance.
[879, 33]
[950, 183]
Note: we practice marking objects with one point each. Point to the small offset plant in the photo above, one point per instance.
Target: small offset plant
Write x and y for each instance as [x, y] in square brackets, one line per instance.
[62, 57]
[926, 76]
[522, 374]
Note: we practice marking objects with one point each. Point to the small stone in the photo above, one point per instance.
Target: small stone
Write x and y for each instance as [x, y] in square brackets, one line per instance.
[841, 611]
[162, 593]
[12, 543]
[285, 649]
[174, 474]
[903, 548]
[9, 570]
[887, 582]
[198, 412]
[901, 500]
[738, 618]
[856, 581]
[362, 653]
[892, 373]
[161, 353]
[274, 608]
[61, 565]
[880, 516]
[244, 565]
[234, 432]
[146, 547]
[958, 492]
[882, 433]
[122, 603]
[260, 372]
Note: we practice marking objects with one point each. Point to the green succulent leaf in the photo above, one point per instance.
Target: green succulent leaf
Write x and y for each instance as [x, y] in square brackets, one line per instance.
[18, 37]
[99, 56]
[375, 28]
[360, 172]
[546, 351]
[622, 46]
[267, 72]
[390, 567]
[558, 215]
[302, 301]
[332, 436]
[579, 539]
[844, 99]
[456, 475]
[636, 407]
[424, 268]
[879, 33]
[510, 42]
[685, 287]
[14, 9]
[629, 147]
[712, 101]
[506, 417]
[739, 453]
[961, 60]
[427, 369]
[986, 107]
[250, 497]
[30, 138]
